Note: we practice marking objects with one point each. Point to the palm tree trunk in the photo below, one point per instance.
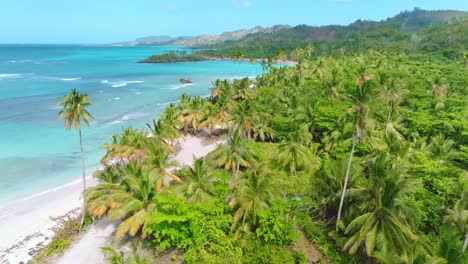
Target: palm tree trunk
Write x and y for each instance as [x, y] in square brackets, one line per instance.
[238, 167]
[346, 181]
[389, 113]
[465, 243]
[83, 211]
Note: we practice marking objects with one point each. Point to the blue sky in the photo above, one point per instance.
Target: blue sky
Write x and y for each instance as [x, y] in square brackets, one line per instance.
[100, 21]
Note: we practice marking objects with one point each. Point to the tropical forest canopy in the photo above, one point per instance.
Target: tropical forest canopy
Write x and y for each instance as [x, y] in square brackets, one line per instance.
[360, 155]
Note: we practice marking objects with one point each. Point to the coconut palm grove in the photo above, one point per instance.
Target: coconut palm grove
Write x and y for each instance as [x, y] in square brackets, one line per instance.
[339, 152]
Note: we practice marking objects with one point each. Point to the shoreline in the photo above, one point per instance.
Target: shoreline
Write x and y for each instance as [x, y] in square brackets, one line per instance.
[27, 223]
[207, 58]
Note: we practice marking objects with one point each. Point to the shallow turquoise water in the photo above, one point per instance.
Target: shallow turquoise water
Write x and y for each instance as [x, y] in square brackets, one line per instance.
[36, 152]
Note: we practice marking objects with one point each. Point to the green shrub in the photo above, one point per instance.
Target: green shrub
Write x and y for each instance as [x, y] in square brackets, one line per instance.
[274, 228]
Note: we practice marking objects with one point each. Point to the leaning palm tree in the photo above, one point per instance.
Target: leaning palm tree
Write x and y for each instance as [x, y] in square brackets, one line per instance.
[199, 183]
[361, 115]
[326, 185]
[74, 111]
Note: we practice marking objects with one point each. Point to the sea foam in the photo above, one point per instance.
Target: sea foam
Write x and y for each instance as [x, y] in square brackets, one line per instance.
[121, 83]
[177, 86]
[69, 79]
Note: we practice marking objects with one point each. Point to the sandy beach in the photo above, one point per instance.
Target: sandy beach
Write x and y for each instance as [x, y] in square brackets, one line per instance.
[26, 225]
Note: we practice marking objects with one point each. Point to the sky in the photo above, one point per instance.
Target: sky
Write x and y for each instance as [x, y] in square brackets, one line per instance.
[104, 21]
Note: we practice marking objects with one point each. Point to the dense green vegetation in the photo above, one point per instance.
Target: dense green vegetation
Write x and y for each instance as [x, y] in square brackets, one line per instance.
[363, 156]
[174, 56]
[443, 33]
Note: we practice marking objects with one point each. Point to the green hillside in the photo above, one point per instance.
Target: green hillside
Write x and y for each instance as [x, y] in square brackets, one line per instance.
[416, 30]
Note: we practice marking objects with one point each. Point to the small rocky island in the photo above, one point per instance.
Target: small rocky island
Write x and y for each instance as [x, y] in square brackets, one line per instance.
[185, 81]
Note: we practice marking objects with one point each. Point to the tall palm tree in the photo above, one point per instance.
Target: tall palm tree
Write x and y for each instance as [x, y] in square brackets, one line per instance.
[361, 115]
[74, 111]
[327, 184]
[198, 183]
[253, 193]
[384, 226]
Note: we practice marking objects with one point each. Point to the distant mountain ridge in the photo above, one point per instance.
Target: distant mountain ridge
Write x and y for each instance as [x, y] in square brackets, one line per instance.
[202, 40]
[210, 40]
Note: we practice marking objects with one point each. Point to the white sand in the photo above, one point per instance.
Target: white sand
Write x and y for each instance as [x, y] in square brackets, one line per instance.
[87, 248]
[26, 225]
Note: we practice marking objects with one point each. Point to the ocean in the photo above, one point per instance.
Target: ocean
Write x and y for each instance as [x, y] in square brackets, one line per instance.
[36, 152]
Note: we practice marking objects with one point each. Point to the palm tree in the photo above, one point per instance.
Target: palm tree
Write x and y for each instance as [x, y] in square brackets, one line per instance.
[74, 111]
[332, 83]
[459, 217]
[131, 200]
[442, 149]
[295, 155]
[199, 183]
[210, 117]
[438, 90]
[191, 114]
[156, 162]
[262, 131]
[384, 226]
[235, 154]
[327, 184]
[244, 117]
[360, 112]
[114, 257]
[392, 91]
[253, 193]
[127, 147]
[308, 114]
[242, 89]
[109, 174]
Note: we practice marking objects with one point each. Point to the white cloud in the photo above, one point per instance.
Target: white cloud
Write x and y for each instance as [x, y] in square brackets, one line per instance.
[242, 3]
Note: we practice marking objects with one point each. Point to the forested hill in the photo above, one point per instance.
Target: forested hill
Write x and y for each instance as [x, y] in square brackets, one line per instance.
[427, 31]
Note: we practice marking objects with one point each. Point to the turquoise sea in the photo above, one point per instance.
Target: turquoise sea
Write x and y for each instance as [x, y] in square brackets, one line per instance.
[36, 152]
